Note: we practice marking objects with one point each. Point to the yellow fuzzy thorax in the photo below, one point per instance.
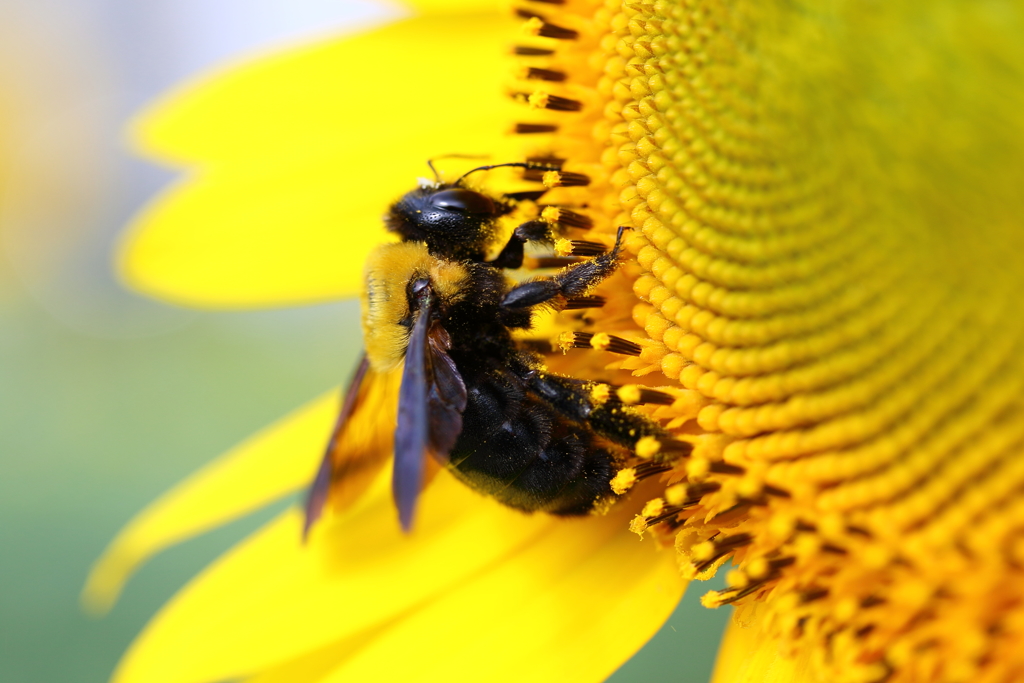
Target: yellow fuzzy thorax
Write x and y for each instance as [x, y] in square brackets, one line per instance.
[385, 300]
[830, 265]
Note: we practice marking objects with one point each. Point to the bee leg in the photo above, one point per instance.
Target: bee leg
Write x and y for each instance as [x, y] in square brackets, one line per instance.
[573, 281]
[512, 255]
[623, 427]
[610, 419]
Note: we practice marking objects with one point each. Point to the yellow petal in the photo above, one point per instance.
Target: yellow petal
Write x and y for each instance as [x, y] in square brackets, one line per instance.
[300, 153]
[451, 6]
[325, 97]
[269, 465]
[273, 602]
[225, 240]
[574, 605]
[748, 656]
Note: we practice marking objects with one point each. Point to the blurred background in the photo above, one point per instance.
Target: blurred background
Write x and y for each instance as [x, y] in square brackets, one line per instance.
[108, 398]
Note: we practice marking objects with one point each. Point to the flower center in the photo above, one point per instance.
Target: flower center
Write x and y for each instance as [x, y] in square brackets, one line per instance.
[828, 263]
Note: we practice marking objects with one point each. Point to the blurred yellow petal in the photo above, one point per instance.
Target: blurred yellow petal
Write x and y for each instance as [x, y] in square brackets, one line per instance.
[298, 153]
[747, 655]
[235, 241]
[326, 97]
[273, 600]
[451, 6]
[572, 606]
[274, 462]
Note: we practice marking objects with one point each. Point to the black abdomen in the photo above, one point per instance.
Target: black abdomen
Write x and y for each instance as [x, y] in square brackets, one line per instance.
[526, 452]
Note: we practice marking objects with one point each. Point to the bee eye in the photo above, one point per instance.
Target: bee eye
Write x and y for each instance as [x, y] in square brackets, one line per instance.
[463, 201]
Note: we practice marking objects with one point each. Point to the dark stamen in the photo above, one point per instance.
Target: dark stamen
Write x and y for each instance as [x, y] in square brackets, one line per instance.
[813, 595]
[585, 302]
[775, 491]
[580, 340]
[586, 248]
[565, 179]
[531, 128]
[554, 261]
[731, 542]
[739, 594]
[724, 546]
[535, 74]
[632, 394]
[675, 447]
[781, 563]
[557, 32]
[566, 217]
[725, 468]
[650, 468]
[556, 103]
[623, 346]
[527, 51]
[527, 195]
[527, 14]
[604, 342]
[670, 511]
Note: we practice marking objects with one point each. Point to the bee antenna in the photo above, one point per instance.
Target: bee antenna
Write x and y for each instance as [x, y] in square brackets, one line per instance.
[437, 176]
[528, 165]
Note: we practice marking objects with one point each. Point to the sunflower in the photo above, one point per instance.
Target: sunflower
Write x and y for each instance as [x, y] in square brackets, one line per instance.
[827, 254]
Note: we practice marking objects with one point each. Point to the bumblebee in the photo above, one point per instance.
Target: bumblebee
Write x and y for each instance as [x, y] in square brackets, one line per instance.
[438, 322]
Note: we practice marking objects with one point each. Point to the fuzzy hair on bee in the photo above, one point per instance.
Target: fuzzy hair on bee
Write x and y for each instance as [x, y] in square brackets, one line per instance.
[440, 322]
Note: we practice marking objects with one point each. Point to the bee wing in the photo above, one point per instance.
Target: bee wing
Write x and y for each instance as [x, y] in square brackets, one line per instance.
[360, 443]
[430, 404]
[447, 396]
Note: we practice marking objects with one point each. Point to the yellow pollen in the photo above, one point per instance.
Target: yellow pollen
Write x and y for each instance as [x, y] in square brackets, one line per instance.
[781, 526]
[807, 546]
[876, 557]
[653, 508]
[601, 393]
[551, 179]
[647, 447]
[676, 494]
[750, 487]
[831, 526]
[711, 600]
[698, 468]
[703, 551]
[539, 100]
[565, 342]
[846, 609]
[551, 214]
[629, 394]
[736, 579]
[532, 26]
[758, 568]
[638, 525]
[601, 341]
[563, 247]
[623, 480]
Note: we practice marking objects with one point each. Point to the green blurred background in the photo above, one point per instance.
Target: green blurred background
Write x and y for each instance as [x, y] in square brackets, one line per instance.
[106, 398]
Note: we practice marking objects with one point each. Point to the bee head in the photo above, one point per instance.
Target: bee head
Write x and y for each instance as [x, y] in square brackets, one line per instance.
[454, 221]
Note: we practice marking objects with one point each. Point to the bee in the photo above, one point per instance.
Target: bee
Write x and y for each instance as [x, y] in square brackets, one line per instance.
[439, 323]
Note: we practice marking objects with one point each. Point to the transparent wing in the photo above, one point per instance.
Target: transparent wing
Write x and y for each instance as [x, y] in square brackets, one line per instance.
[360, 443]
